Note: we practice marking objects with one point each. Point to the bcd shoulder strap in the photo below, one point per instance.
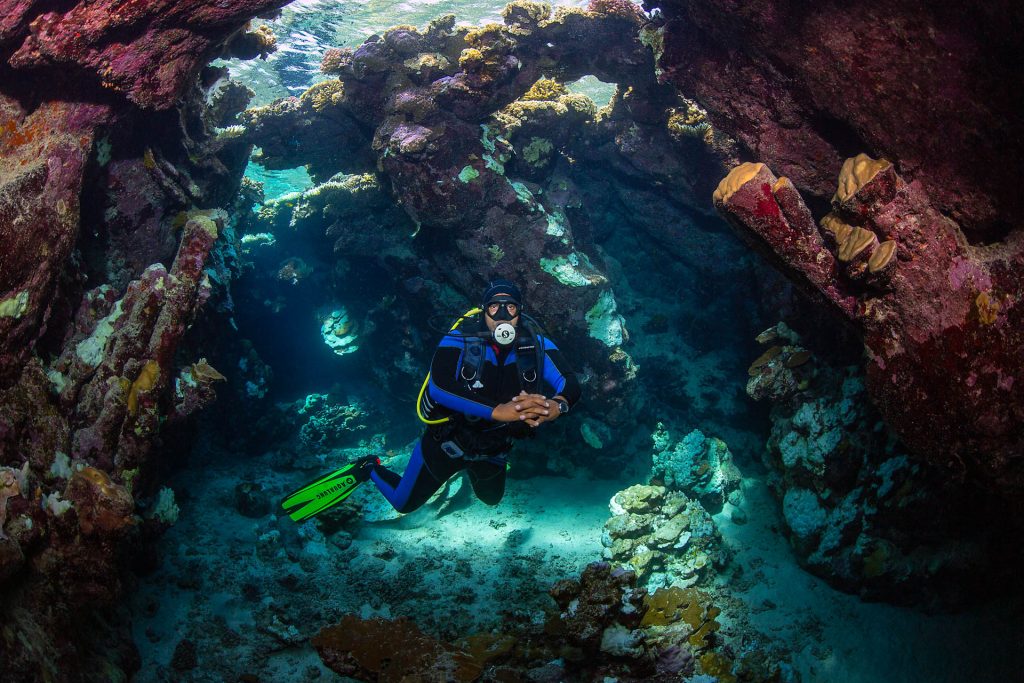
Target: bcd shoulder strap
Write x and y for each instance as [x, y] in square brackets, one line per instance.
[472, 366]
[530, 359]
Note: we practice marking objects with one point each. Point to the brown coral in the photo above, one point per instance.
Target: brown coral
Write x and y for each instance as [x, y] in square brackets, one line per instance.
[205, 372]
[391, 651]
[836, 229]
[102, 505]
[883, 257]
[524, 14]
[688, 605]
[987, 308]
[764, 359]
[545, 89]
[857, 242]
[798, 359]
[856, 173]
[144, 382]
[8, 489]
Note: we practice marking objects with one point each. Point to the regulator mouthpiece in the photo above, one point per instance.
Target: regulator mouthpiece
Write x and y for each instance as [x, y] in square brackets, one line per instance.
[505, 333]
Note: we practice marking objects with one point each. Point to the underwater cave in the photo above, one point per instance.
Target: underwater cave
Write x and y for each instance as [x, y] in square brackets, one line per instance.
[599, 340]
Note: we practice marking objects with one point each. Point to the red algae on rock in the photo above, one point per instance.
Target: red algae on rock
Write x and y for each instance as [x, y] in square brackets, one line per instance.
[947, 377]
[804, 86]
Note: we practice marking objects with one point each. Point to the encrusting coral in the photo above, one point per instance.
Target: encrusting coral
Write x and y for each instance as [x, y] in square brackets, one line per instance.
[391, 651]
[663, 536]
[8, 489]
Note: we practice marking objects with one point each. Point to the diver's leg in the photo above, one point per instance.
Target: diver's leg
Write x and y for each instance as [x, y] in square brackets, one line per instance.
[419, 481]
[488, 479]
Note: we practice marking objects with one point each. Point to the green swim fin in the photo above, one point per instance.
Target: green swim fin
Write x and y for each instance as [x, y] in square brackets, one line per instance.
[322, 493]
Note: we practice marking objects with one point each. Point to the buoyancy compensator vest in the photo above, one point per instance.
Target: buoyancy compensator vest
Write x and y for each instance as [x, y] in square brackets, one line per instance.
[530, 357]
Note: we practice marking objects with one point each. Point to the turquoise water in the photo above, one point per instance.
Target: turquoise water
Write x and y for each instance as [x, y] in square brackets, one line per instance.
[308, 27]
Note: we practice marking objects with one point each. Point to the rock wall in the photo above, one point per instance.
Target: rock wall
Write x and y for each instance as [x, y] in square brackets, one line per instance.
[922, 250]
[110, 167]
[934, 87]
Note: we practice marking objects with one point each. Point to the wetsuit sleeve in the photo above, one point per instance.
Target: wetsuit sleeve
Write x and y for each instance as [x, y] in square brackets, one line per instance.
[446, 388]
[557, 374]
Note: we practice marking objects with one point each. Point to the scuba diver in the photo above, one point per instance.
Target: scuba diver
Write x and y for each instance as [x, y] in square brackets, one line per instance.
[486, 388]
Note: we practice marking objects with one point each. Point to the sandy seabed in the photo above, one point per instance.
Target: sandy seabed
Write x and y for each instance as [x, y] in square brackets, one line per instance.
[249, 592]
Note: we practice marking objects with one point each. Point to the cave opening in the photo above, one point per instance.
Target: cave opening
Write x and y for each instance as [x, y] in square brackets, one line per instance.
[690, 314]
[257, 283]
[361, 253]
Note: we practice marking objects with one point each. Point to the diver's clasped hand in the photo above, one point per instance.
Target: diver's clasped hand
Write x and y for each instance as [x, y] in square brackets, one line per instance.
[533, 409]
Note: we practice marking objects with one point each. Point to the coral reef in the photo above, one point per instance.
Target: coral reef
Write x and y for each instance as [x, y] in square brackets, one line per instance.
[169, 42]
[110, 166]
[699, 466]
[32, 273]
[443, 154]
[920, 253]
[111, 386]
[940, 319]
[860, 512]
[663, 536]
[60, 135]
[471, 131]
[604, 628]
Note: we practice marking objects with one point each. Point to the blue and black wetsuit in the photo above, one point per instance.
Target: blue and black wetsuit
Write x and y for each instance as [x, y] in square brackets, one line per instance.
[482, 441]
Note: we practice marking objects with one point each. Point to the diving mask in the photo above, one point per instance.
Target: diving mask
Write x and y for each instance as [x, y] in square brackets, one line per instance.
[503, 309]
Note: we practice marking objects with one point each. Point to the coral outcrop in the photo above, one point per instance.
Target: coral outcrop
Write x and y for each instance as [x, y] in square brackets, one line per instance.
[48, 134]
[860, 511]
[941, 320]
[328, 423]
[474, 133]
[102, 403]
[921, 253]
[663, 536]
[701, 467]
[168, 42]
